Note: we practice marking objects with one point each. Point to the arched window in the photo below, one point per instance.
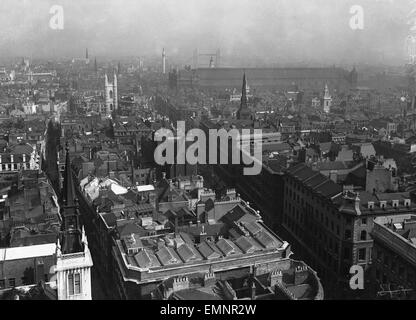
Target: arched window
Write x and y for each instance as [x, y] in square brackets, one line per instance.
[363, 235]
[111, 94]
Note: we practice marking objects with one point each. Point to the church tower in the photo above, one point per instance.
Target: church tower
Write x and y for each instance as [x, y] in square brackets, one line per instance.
[74, 262]
[327, 101]
[111, 95]
[244, 113]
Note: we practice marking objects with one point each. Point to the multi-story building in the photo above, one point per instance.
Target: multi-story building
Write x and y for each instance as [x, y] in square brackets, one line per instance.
[142, 247]
[394, 257]
[62, 263]
[330, 226]
[19, 157]
[311, 79]
[130, 132]
[226, 246]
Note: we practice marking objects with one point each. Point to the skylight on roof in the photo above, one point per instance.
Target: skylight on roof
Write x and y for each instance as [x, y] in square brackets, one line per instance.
[398, 226]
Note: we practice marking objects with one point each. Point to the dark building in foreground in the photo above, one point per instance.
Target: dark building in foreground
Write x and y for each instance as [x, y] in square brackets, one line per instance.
[394, 257]
[180, 248]
[331, 226]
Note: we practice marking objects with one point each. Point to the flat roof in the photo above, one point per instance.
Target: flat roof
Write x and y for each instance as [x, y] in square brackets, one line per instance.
[145, 188]
[16, 253]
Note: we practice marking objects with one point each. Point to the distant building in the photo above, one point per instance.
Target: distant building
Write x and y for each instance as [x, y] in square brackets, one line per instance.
[310, 79]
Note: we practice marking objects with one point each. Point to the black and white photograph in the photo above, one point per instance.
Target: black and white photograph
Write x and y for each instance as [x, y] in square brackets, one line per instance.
[208, 154]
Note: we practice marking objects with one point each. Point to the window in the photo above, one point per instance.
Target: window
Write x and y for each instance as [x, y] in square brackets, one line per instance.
[361, 254]
[2, 284]
[347, 234]
[12, 282]
[386, 261]
[74, 284]
[379, 254]
[346, 253]
[401, 271]
[363, 235]
[363, 221]
[393, 266]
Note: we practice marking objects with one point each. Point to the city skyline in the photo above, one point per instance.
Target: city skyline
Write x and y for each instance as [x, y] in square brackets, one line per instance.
[268, 31]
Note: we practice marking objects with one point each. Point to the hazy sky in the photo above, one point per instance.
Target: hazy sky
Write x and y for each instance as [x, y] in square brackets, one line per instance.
[274, 30]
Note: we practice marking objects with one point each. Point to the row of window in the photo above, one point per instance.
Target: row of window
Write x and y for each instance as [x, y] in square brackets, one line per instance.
[14, 166]
[393, 264]
[294, 212]
[12, 281]
[384, 278]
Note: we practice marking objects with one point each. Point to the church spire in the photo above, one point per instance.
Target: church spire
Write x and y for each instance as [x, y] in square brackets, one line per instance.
[244, 92]
[68, 193]
[71, 231]
[244, 113]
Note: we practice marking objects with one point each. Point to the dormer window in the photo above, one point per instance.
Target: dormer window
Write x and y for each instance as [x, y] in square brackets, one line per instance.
[395, 203]
[407, 202]
[370, 205]
[383, 204]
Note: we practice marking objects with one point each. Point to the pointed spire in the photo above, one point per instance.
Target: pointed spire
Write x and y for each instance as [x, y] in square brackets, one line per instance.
[114, 77]
[71, 237]
[244, 113]
[69, 196]
[244, 91]
[326, 93]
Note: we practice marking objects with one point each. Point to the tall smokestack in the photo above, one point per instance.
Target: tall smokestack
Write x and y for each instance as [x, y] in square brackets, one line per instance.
[164, 61]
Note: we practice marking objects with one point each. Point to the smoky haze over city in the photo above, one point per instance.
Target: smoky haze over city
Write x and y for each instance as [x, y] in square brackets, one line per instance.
[256, 31]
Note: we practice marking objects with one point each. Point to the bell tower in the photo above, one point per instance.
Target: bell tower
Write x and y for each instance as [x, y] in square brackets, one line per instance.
[74, 262]
[111, 95]
[327, 100]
